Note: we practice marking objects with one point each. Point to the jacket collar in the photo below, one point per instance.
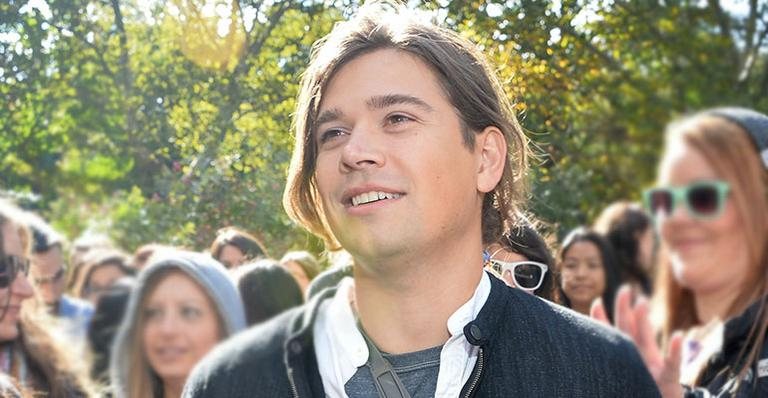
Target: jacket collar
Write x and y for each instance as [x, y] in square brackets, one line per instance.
[299, 352]
[300, 329]
[483, 331]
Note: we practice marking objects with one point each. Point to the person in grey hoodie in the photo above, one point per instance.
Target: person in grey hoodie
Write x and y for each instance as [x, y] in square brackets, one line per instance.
[183, 304]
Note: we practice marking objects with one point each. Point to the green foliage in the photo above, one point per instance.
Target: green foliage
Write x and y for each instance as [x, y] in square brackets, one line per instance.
[161, 122]
[597, 81]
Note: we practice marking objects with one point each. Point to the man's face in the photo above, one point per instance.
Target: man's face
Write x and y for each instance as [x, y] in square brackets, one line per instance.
[392, 170]
[47, 274]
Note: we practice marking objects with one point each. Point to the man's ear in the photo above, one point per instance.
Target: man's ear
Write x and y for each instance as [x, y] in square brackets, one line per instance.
[491, 150]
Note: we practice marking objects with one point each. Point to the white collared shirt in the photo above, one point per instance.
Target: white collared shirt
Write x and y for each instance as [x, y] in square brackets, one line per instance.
[341, 350]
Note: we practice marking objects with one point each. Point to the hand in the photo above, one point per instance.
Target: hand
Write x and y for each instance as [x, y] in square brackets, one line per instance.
[633, 321]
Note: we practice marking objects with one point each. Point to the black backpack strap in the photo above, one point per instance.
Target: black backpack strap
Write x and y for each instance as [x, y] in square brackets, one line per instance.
[385, 378]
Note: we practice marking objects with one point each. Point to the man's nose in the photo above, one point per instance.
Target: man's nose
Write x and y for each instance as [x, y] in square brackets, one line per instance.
[363, 149]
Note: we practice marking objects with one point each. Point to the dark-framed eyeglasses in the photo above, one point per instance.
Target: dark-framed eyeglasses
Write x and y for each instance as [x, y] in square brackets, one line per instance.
[527, 275]
[704, 200]
[44, 280]
[10, 267]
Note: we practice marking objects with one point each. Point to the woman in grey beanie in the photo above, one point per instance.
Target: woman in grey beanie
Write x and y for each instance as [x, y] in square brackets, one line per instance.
[183, 304]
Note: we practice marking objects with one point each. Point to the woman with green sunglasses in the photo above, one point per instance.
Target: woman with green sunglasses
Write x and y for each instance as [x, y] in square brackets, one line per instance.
[710, 208]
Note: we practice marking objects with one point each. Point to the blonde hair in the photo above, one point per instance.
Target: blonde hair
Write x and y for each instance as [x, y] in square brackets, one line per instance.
[729, 150]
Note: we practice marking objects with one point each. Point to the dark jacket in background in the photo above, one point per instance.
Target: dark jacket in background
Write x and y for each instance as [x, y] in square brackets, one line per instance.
[718, 376]
[528, 348]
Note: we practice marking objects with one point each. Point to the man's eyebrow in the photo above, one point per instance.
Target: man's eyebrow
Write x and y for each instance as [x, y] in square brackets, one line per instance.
[377, 102]
[383, 101]
[328, 115]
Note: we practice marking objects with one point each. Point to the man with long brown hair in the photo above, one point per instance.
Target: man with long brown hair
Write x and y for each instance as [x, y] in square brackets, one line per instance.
[406, 151]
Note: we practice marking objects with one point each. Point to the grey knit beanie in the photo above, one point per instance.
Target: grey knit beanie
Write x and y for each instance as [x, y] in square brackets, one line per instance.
[755, 123]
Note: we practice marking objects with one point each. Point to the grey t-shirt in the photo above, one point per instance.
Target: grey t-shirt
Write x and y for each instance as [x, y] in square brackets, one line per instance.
[416, 370]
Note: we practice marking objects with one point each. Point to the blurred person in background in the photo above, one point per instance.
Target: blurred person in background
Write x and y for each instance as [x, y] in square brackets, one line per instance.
[522, 259]
[587, 271]
[267, 289]
[106, 320]
[341, 267]
[101, 270]
[303, 266]
[182, 305]
[233, 247]
[80, 248]
[710, 206]
[48, 272]
[629, 230]
[29, 353]
[143, 253]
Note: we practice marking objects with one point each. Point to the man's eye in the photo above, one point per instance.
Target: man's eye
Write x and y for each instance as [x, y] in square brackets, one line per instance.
[398, 119]
[330, 134]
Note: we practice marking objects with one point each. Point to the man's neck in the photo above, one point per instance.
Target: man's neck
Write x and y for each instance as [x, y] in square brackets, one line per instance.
[409, 311]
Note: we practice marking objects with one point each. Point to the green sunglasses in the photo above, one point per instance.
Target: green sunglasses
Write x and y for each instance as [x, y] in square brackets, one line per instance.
[704, 199]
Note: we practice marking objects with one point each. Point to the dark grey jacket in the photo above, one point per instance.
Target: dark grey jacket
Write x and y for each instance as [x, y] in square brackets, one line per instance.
[528, 348]
[719, 377]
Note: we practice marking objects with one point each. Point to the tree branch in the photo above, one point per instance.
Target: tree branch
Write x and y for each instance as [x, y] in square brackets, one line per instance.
[123, 62]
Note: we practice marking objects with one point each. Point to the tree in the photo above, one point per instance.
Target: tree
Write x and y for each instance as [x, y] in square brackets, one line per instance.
[138, 128]
[596, 81]
[165, 121]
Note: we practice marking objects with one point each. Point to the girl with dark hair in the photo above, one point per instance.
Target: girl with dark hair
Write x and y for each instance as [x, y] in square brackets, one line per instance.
[586, 268]
[234, 247]
[522, 259]
[629, 230]
[267, 289]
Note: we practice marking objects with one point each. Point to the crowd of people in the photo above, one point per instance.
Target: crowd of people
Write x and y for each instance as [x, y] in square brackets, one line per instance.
[439, 284]
[99, 322]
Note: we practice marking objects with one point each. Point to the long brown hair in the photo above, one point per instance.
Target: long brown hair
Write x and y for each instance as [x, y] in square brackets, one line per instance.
[732, 154]
[51, 368]
[466, 78]
[54, 368]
